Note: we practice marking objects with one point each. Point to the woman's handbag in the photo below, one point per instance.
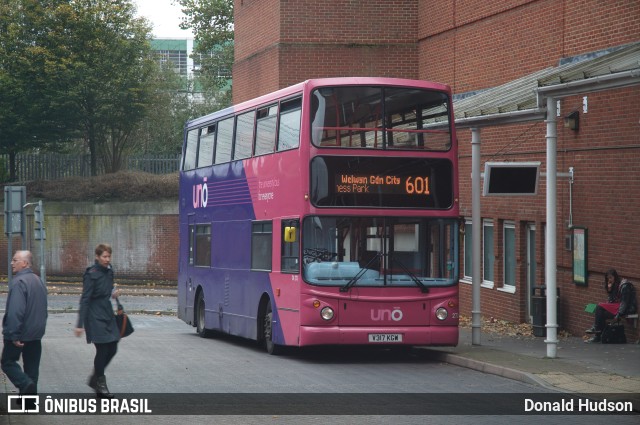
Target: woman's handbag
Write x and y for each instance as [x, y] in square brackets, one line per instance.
[122, 320]
[613, 333]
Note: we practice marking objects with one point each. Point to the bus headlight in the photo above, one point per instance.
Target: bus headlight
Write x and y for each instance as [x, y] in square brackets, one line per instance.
[441, 313]
[327, 313]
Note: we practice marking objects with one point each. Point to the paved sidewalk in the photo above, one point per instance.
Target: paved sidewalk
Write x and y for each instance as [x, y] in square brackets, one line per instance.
[577, 368]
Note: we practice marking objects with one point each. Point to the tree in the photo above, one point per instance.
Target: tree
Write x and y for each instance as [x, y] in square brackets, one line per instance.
[74, 69]
[178, 98]
[161, 132]
[109, 75]
[212, 24]
[29, 112]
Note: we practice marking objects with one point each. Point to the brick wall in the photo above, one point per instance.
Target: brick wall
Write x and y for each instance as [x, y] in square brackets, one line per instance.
[494, 42]
[474, 45]
[605, 196]
[280, 43]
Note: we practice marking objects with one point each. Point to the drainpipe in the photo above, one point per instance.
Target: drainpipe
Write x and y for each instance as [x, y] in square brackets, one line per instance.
[476, 322]
[551, 231]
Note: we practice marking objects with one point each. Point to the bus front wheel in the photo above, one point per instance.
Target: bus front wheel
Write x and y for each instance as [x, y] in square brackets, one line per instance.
[267, 332]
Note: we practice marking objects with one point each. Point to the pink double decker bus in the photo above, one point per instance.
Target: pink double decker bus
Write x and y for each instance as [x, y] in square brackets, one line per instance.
[324, 213]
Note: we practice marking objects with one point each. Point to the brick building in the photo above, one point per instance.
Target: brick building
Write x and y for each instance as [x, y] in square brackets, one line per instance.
[476, 46]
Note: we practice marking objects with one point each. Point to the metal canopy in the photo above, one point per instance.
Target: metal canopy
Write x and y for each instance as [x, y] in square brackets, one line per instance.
[533, 98]
[523, 99]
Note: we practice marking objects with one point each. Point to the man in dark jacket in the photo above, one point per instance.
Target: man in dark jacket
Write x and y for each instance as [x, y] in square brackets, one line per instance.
[24, 324]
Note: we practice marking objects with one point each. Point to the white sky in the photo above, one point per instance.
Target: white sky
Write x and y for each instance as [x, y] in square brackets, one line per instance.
[164, 16]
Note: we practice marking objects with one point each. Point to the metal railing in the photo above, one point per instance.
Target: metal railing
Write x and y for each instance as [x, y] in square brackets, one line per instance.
[53, 166]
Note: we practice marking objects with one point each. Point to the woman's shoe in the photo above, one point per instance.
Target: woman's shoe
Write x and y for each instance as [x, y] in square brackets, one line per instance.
[591, 330]
[594, 339]
[101, 387]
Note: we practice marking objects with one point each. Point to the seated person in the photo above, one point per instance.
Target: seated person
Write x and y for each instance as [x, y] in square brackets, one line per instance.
[621, 301]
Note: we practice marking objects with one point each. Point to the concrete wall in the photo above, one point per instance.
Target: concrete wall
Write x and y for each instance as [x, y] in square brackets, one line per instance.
[144, 237]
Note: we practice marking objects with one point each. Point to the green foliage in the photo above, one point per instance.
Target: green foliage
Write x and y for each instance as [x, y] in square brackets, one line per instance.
[161, 132]
[4, 176]
[74, 70]
[79, 76]
[29, 95]
[212, 24]
[109, 75]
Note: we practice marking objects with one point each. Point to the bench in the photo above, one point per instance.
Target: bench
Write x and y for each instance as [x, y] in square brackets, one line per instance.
[591, 308]
[634, 318]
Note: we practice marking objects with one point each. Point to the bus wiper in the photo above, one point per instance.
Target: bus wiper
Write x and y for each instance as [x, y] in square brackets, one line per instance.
[413, 277]
[362, 271]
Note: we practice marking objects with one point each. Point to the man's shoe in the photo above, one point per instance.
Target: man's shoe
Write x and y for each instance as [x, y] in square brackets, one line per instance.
[594, 339]
[591, 330]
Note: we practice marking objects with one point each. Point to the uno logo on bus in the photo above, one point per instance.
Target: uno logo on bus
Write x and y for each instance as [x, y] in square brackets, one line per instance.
[200, 195]
[382, 314]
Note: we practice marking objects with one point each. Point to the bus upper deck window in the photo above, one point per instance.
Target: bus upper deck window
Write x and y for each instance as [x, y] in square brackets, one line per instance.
[289, 126]
[266, 129]
[207, 139]
[191, 150]
[224, 141]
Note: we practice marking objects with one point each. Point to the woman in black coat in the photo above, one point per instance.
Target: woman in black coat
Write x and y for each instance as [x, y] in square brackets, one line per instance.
[621, 301]
[96, 317]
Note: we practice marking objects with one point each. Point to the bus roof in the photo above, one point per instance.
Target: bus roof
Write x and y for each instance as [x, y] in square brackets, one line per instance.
[317, 82]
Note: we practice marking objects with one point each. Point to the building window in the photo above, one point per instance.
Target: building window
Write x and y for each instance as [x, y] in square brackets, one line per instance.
[261, 242]
[203, 245]
[487, 253]
[468, 250]
[509, 254]
[176, 59]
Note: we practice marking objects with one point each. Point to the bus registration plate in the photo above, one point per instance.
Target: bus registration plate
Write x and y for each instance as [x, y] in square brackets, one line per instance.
[385, 338]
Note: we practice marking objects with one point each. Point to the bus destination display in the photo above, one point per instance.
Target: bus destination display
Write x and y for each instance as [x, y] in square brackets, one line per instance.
[385, 184]
[381, 182]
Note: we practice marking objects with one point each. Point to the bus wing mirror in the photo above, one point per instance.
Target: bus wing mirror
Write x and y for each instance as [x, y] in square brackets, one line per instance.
[290, 234]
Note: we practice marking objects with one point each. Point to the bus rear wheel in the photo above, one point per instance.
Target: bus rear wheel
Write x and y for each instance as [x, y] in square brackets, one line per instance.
[267, 332]
[200, 308]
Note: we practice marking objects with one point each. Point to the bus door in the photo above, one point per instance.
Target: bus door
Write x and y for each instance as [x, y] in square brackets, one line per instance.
[185, 286]
[290, 261]
[287, 289]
